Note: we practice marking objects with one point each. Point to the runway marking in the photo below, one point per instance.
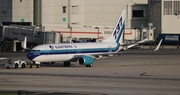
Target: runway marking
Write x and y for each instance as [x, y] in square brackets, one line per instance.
[48, 93]
[90, 76]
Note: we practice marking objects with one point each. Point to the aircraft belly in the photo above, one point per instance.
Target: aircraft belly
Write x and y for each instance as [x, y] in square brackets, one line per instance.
[120, 48]
[52, 58]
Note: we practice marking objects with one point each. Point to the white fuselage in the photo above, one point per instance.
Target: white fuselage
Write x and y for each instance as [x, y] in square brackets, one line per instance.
[67, 51]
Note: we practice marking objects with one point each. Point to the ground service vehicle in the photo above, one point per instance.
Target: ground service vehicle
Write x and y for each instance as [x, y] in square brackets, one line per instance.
[15, 64]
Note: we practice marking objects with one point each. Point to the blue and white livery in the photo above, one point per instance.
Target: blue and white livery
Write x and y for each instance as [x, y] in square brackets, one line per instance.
[83, 53]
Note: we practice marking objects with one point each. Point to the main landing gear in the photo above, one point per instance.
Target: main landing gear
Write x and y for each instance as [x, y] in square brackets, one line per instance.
[34, 63]
[91, 65]
[67, 64]
[37, 65]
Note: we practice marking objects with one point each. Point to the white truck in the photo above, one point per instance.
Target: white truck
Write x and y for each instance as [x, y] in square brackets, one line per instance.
[3, 58]
[15, 64]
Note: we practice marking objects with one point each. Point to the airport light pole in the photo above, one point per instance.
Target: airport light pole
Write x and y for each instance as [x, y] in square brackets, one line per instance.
[70, 38]
[178, 14]
[98, 31]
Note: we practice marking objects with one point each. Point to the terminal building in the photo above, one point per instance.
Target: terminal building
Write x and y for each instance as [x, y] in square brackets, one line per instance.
[77, 19]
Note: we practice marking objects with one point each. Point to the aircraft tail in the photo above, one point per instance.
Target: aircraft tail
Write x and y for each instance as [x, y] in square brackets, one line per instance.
[117, 34]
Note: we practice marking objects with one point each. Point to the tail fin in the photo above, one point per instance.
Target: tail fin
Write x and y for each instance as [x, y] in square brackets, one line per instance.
[117, 34]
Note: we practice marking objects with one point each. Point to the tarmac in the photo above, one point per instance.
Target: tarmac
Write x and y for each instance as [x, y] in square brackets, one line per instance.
[132, 72]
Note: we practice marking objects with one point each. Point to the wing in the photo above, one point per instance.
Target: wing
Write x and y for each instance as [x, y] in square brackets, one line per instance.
[106, 55]
[94, 56]
[127, 46]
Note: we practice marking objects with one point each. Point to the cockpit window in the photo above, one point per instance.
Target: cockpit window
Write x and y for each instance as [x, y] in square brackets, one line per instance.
[35, 50]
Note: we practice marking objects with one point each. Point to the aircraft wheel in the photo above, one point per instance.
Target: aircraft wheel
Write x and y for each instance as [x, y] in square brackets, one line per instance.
[16, 65]
[23, 65]
[67, 64]
[89, 65]
[51, 62]
[37, 65]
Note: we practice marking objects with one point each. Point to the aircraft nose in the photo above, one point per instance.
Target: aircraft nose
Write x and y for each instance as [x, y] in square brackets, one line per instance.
[30, 56]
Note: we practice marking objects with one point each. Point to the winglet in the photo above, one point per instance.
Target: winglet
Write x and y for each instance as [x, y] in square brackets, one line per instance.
[25, 43]
[157, 48]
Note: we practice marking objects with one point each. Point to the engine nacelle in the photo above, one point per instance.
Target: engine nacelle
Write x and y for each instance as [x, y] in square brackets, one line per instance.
[85, 60]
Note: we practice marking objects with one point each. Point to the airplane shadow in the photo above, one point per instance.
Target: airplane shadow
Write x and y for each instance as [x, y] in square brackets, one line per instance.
[60, 65]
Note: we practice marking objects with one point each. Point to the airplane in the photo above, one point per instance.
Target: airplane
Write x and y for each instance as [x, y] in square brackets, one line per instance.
[83, 53]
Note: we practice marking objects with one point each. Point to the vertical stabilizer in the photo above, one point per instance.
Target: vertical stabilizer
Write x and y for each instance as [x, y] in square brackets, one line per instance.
[117, 34]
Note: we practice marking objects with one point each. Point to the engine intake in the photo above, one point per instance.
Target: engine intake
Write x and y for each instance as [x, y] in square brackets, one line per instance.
[85, 60]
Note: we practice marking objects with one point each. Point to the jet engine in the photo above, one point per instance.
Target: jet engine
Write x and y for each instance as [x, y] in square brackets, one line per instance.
[86, 60]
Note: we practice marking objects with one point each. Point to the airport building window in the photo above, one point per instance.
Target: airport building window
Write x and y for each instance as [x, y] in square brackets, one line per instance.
[138, 13]
[75, 23]
[158, 8]
[176, 7]
[167, 7]
[64, 9]
[75, 9]
[17, 23]
[152, 5]
[155, 7]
